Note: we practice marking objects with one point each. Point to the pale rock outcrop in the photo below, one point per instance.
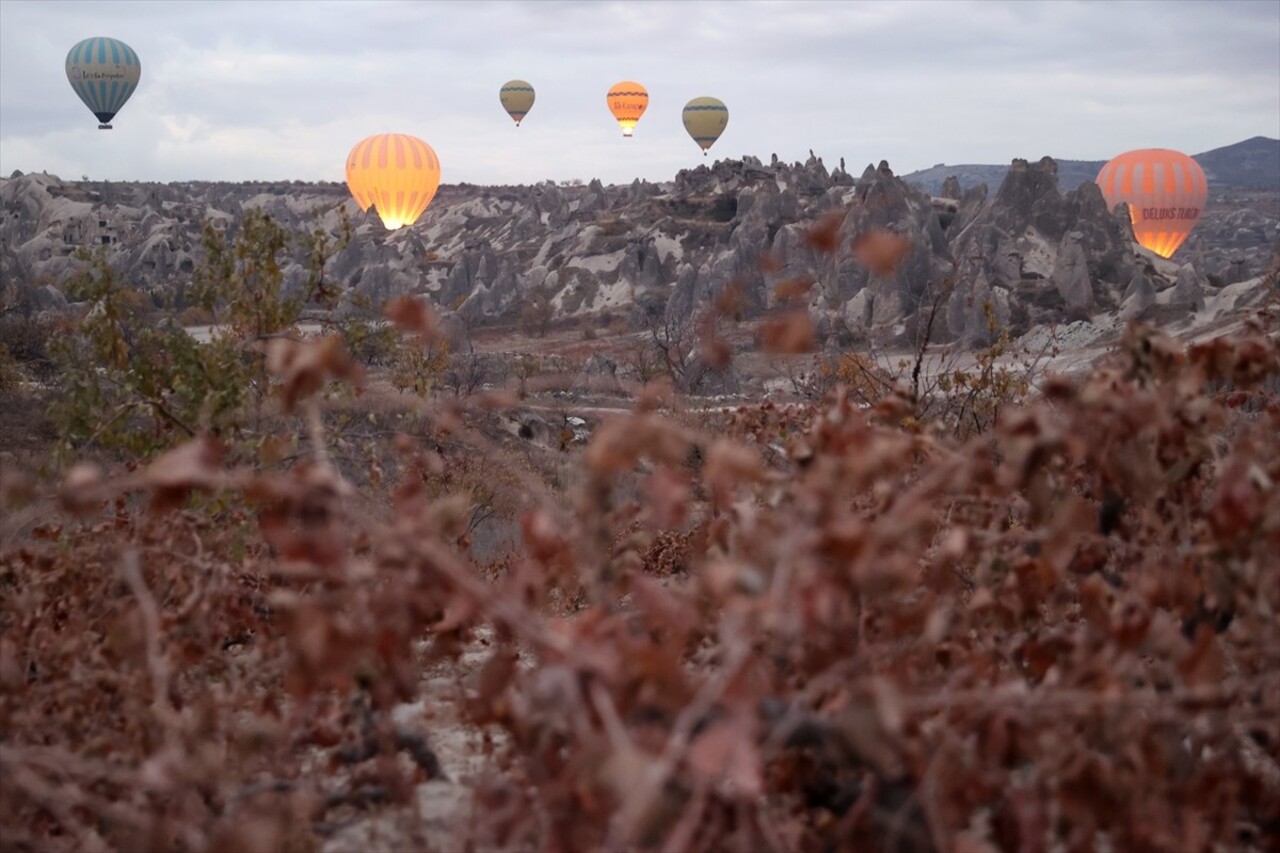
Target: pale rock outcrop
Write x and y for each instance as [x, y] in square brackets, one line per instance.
[977, 312]
[881, 202]
[1138, 297]
[1071, 274]
[1187, 291]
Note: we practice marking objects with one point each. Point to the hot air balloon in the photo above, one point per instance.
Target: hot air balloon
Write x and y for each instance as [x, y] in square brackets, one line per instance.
[395, 173]
[1165, 191]
[627, 101]
[357, 179]
[104, 72]
[705, 119]
[517, 99]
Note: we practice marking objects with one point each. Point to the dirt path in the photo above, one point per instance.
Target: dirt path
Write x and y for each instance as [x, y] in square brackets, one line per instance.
[443, 807]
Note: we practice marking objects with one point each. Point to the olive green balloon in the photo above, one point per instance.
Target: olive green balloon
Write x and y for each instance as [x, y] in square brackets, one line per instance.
[705, 119]
[517, 99]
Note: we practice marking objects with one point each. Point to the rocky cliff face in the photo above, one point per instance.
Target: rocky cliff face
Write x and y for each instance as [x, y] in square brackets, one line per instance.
[1025, 254]
[1033, 254]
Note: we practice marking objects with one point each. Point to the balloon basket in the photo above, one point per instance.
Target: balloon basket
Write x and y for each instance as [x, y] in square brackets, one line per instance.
[104, 127]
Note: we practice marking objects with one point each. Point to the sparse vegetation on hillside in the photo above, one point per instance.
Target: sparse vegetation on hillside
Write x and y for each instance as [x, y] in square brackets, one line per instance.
[157, 382]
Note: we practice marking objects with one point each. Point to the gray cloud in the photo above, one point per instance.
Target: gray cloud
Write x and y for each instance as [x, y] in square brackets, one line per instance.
[282, 90]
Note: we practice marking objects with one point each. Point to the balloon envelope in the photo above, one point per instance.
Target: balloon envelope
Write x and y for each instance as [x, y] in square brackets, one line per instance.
[104, 72]
[517, 99]
[394, 173]
[358, 179]
[627, 101]
[1165, 190]
[705, 119]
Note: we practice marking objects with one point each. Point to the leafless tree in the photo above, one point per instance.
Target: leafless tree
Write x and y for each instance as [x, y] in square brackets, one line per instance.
[673, 339]
[642, 359]
[468, 370]
[537, 313]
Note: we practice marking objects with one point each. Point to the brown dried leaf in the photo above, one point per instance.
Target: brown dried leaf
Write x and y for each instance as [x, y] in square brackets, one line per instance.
[543, 539]
[864, 733]
[621, 442]
[875, 578]
[79, 488]
[1036, 580]
[955, 543]
[1239, 502]
[413, 315]
[889, 705]
[194, 466]
[10, 671]
[304, 366]
[790, 334]
[310, 635]
[637, 779]
[973, 842]
[1205, 664]
[666, 492]
[825, 235]
[730, 463]
[769, 262]
[1022, 823]
[495, 677]
[655, 395]
[715, 350]
[881, 251]
[611, 449]
[792, 288]
[449, 515]
[1095, 602]
[726, 753]
[17, 486]
[729, 302]
[275, 449]
[1068, 520]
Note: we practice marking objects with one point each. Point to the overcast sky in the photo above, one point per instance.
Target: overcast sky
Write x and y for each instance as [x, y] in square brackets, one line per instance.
[284, 89]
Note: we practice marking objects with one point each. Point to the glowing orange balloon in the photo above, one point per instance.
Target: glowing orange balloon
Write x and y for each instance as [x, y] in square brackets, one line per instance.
[395, 173]
[357, 178]
[627, 101]
[1165, 190]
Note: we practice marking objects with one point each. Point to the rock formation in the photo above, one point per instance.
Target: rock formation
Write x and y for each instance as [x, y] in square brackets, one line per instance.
[1031, 252]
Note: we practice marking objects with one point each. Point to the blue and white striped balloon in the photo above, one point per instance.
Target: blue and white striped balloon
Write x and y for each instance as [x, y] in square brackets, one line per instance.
[104, 72]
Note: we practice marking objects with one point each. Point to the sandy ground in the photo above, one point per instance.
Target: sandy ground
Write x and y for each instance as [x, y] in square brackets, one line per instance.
[442, 813]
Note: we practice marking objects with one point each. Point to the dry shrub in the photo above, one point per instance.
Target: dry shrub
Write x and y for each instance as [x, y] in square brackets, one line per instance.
[812, 630]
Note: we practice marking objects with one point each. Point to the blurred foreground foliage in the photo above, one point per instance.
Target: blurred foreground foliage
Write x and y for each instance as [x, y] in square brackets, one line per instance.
[807, 627]
[974, 608]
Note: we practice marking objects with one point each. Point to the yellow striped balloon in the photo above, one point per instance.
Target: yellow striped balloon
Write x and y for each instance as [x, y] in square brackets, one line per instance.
[1165, 190]
[627, 101]
[705, 119]
[517, 99]
[394, 173]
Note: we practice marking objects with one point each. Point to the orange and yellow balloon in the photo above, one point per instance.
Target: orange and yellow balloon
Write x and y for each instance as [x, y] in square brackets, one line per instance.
[1165, 190]
[627, 101]
[394, 173]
